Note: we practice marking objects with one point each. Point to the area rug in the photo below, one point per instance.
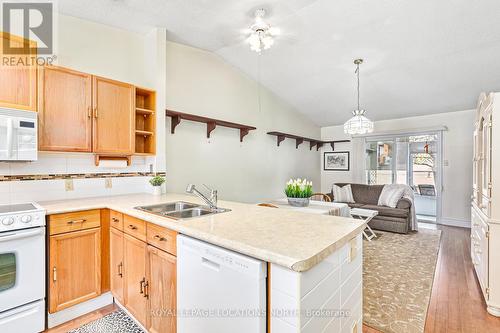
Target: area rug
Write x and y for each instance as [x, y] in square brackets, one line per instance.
[398, 271]
[115, 322]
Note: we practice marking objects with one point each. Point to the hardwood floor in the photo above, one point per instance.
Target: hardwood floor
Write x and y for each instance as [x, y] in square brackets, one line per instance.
[456, 303]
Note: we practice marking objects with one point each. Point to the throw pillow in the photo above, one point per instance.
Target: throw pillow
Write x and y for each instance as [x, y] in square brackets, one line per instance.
[342, 194]
[390, 195]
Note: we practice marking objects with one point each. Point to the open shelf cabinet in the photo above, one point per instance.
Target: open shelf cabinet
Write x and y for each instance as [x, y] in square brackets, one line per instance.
[145, 121]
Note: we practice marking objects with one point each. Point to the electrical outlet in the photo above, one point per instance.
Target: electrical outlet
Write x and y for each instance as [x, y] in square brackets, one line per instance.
[68, 185]
[108, 183]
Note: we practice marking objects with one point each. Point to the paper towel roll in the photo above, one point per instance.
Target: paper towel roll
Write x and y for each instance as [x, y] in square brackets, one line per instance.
[112, 164]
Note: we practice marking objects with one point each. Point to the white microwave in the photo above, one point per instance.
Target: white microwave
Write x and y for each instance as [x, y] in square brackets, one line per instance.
[18, 135]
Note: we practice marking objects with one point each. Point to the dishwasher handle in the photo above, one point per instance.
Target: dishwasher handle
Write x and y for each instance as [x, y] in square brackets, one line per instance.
[210, 264]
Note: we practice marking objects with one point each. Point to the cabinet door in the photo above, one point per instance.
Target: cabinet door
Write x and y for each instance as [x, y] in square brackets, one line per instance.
[116, 263]
[114, 112]
[18, 81]
[135, 252]
[74, 268]
[65, 102]
[162, 288]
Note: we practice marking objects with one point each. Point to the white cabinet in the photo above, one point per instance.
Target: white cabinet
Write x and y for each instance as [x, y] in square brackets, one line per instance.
[485, 212]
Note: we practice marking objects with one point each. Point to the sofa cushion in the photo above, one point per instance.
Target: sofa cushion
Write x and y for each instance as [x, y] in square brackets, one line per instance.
[355, 205]
[388, 211]
[342, 194]
[365, 194]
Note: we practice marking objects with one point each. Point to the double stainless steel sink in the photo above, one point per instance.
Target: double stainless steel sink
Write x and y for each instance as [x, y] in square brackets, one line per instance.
[181, 210]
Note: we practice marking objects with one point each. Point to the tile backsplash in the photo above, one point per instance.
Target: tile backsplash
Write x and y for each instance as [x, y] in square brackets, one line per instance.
[45, 179]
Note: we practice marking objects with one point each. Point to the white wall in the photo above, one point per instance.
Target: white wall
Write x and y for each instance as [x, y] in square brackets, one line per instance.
[457, 153]
[200, 82]
[113, 53]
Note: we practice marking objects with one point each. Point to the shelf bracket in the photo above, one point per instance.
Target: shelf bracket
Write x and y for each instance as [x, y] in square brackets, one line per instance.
[298, 142]
[243, 133]
[175, 121]
[280, 138]
[312, 144]
[210, 127]
[319, 145]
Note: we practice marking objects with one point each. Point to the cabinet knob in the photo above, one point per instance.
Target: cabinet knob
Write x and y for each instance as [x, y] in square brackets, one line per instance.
[133, 227]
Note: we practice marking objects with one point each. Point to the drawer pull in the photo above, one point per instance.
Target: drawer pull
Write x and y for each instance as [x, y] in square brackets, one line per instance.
[133, 227]
[115, 219]
[160, 238]
[77, 221]
[120, 270]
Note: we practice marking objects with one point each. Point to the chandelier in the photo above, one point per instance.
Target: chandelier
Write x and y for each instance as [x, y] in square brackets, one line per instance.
[358, 124]
[261, 33]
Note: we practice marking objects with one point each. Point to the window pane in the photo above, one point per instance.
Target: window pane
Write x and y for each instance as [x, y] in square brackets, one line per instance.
[7, 271]
[379, 162]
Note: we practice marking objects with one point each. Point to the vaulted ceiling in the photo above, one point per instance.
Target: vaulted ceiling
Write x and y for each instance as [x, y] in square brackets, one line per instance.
[421, 57]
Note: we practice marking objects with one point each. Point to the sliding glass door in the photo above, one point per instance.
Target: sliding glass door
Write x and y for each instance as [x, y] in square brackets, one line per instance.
[413, 160]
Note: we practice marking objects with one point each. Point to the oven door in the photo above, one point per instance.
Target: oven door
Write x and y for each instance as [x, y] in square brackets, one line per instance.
[22, 267]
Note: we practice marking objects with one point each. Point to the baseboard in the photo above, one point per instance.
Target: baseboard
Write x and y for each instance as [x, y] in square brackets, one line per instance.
[493, 310]
[122, 307]
[60, 317]
[454, 222]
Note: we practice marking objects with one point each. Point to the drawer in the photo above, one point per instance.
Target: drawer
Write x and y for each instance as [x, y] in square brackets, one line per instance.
[67, 222]
[116, 220]
[134, 227]
[162, 238]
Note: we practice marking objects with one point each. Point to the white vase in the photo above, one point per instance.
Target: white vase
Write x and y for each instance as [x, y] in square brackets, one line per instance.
[156, 190]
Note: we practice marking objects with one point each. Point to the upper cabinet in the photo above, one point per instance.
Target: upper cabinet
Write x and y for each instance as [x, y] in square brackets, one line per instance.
[114, 113]
[18, 81]
[65, 110]
[80, 112]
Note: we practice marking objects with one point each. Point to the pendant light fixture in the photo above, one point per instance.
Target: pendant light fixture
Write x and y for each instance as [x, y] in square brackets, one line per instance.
[358, 124]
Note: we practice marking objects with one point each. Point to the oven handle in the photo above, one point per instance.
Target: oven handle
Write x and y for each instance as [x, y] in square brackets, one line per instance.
[9, 138]
[21, 234]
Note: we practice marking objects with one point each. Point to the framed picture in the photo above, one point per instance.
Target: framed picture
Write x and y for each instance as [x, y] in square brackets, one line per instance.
[336, 161]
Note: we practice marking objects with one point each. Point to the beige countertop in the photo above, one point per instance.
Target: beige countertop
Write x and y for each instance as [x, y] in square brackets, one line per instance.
[285, 237]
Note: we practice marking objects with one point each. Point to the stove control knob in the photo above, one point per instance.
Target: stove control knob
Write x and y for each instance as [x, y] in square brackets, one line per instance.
[8, 221]
[26, 218]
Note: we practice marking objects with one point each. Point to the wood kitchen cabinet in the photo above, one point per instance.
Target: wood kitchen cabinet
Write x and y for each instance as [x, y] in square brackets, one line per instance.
[74, 268]
[162, 279]
[65, 110]
[135, 285]
[146, 283]
[18, 81]
[114, 117]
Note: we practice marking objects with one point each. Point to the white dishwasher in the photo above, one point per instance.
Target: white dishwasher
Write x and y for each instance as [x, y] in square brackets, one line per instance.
[218, 291]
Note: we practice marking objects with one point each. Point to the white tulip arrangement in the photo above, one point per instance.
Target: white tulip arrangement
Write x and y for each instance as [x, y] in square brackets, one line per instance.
[298, 188]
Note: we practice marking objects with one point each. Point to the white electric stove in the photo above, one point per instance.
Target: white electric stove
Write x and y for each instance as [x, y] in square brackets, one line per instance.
[22, 268]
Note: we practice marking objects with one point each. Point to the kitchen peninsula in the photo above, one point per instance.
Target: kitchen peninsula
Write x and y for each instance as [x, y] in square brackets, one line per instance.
[314, 262]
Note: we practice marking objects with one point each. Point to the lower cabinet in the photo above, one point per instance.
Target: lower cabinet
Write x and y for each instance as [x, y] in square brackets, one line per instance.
[116, 263]
[135, 285]
[74, 268]
[143, 276]
[162, 291]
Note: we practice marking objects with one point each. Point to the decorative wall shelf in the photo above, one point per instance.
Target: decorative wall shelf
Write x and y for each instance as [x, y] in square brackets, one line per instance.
[300, 139]
[211, 123]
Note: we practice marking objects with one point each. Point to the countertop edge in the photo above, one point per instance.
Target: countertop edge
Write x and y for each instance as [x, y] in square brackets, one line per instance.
[281, 260]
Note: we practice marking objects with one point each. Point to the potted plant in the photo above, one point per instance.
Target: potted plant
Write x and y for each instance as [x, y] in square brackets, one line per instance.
[157, 182]
[298, 192]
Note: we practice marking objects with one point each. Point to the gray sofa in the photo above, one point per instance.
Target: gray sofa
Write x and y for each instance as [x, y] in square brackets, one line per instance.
[388, 219]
